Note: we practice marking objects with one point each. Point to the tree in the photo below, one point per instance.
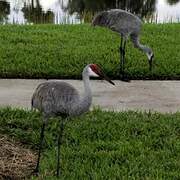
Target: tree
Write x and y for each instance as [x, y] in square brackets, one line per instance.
[142, 8]
[172, 2]
[34, 13]
[4, 11]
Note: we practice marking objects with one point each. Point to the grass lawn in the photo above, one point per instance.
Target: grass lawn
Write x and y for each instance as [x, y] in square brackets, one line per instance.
[98, 145]
[103, 145]
[61, 51]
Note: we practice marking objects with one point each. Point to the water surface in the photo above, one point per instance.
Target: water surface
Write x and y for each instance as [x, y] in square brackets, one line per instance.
[80, 11]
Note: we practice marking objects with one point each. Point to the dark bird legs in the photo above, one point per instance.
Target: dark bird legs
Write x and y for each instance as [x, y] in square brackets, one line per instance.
[60, 135]
[122, 51]
[36, 171]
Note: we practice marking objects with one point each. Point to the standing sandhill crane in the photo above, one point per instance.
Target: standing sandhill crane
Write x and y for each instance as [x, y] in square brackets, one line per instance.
[54, 98]
[126, 24]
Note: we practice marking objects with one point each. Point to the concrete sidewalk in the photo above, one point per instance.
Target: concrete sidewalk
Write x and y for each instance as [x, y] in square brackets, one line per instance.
[162, 96]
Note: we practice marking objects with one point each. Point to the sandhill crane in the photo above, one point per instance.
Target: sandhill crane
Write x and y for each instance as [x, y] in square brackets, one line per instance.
[55, 98]
[125, 24]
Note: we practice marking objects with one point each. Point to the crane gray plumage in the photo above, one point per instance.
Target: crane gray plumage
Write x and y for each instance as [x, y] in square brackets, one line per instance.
[56, 98]
[125, 24]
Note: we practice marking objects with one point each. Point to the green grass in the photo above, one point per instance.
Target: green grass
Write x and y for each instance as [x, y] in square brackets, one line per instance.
[104, 145]
[61, 51]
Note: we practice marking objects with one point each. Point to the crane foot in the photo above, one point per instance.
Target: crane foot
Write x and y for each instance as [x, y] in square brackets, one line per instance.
[124, 78]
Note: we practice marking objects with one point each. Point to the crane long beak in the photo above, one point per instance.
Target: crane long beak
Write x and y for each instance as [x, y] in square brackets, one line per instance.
[109, 80]
[103, 76]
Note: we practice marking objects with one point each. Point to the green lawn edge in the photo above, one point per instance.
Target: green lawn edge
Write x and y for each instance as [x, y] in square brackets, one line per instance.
[103, 144]
[61, 51]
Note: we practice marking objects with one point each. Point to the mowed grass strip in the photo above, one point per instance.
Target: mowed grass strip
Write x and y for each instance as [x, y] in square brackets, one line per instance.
[103, 145]
[61, 51]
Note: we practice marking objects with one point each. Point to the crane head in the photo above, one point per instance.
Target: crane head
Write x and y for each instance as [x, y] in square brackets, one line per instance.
[99, 19]
[95, 71]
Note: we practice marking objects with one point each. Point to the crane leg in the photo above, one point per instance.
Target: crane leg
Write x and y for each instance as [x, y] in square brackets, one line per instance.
[60, 135]
[122, 56]
[40, 148]
[123, 59]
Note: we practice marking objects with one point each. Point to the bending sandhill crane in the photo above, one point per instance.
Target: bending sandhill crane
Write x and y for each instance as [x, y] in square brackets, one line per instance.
[55, 98]
[125, 24]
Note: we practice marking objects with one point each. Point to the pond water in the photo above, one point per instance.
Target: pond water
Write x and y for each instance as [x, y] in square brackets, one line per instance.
[80, 11]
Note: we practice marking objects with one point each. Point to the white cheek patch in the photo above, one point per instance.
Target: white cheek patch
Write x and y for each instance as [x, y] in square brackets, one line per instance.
[149, 56]
[92, 73]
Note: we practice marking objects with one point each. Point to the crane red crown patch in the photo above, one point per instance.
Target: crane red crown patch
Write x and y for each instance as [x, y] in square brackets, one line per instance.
[95, 68]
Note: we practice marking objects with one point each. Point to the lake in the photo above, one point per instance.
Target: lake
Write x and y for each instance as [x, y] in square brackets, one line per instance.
[81, 11]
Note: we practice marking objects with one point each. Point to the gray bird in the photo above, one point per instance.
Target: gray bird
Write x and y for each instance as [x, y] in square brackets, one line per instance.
[125, 24]
[55, 98]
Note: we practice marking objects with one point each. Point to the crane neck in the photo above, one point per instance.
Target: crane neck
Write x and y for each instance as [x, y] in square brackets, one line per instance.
[85, 101]
[138, 45]
[86, 81]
